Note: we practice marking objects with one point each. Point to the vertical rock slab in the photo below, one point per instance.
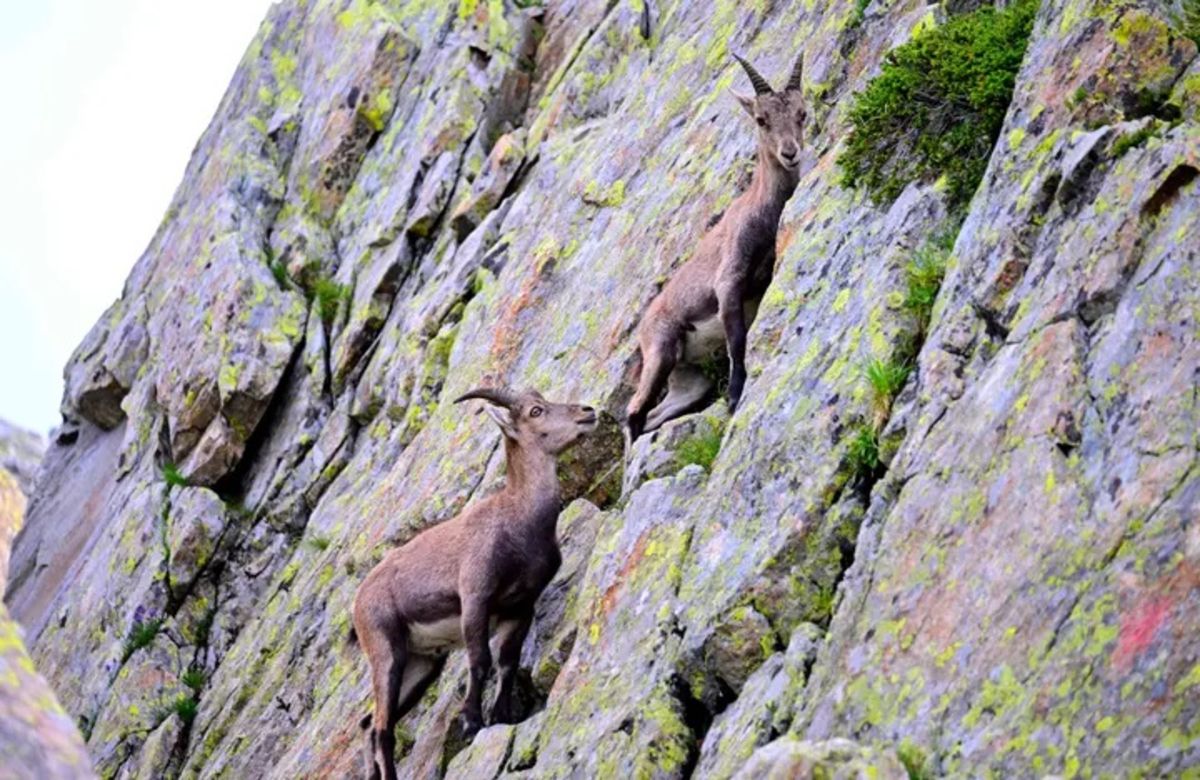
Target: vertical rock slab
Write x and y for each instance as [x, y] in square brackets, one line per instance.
[38, 739]
[1068, 453]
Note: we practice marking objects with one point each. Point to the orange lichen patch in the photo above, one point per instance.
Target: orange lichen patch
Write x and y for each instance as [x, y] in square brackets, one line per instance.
[506, 338]
[332, 761]
[609, 602]
[787, 231]
[1160, 346]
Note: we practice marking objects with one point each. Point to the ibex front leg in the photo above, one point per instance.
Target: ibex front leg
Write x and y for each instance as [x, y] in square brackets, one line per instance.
[475, 625]
[733, 319]
[512, 635]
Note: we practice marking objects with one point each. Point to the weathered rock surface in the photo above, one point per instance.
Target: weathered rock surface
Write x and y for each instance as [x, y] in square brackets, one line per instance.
[20, 454]
[399, 200]
[38, 739]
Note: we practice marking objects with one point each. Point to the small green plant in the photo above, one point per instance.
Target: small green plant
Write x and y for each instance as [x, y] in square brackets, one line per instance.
[914, 761]
[1133, 140]
[329, 296]
[700, 448]
[859, 13]
[923, 280]
[141, 635]
[173, 476]
[886, 379]
[862, 453]
[194, 678]
[319, 543]
[185, 707]
[938, 105]
[1187, 19]
[823, 602]
[203, 627]
[280, 272]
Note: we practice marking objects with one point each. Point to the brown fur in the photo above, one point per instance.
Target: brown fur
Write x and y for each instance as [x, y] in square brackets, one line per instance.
[726, 277]
[486, 566]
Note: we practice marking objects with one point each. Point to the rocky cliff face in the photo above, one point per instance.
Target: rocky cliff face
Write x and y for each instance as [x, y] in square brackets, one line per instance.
[399, 200]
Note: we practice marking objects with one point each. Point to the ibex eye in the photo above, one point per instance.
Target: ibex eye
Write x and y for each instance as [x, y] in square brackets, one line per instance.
[536, 411]
[761, 122]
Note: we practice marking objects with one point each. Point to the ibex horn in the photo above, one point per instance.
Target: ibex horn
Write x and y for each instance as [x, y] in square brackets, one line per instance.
[793, 84]
[761, 87]
[500, 396]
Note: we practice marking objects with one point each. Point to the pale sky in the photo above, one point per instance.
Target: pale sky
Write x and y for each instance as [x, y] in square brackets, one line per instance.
[103, 102]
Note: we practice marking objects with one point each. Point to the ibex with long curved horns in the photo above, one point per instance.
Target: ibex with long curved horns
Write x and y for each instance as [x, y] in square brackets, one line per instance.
[708, 302]
[454, 583]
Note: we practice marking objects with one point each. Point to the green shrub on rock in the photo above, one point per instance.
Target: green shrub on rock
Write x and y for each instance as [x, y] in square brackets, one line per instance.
[937, 107]
[1186, 18]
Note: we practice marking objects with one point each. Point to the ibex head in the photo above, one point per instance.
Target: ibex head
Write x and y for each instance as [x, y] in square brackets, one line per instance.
[534, 423]
[780, 115]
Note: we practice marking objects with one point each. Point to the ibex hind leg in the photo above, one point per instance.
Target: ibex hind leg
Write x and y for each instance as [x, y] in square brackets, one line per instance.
[373, 772]
[388, 655]
[658, 360]
[688, 390]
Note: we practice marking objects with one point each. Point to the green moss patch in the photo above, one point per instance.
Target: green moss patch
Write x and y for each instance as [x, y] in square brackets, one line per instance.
[701, 448]
[937, 107]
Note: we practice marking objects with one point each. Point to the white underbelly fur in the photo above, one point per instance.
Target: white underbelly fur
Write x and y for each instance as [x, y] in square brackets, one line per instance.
[438, 637]
[706, 340]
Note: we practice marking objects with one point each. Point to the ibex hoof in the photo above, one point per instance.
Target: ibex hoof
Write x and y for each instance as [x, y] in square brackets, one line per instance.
[470, 725]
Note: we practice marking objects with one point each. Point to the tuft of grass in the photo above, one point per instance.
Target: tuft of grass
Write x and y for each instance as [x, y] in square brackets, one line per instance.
[886, 378]
[329, 296]
[1186, 19]
[173, 476]
[923, 280]
[319, 543]
[204, 627]
[862, 453]
[194, 678]
[141, 635]
[937, 107]
[280, 272]
[185, 707]
[914, 761]
[700, 448]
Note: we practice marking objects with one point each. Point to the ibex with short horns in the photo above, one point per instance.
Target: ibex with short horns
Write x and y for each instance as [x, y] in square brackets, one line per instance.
[709, 300]
[454, 583]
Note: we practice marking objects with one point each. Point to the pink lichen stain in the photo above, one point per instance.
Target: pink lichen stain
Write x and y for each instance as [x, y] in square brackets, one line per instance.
[1138, 629]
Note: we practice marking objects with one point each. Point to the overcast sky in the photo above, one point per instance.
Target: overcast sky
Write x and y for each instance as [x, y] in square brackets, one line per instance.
[103, 101]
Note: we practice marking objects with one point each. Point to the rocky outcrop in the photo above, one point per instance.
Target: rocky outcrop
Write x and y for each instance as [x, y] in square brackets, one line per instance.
[399, 200]
[37, 738]
[20, 453]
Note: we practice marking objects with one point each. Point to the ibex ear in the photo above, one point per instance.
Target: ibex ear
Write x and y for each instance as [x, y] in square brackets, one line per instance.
[747, 101]
[503, 418]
